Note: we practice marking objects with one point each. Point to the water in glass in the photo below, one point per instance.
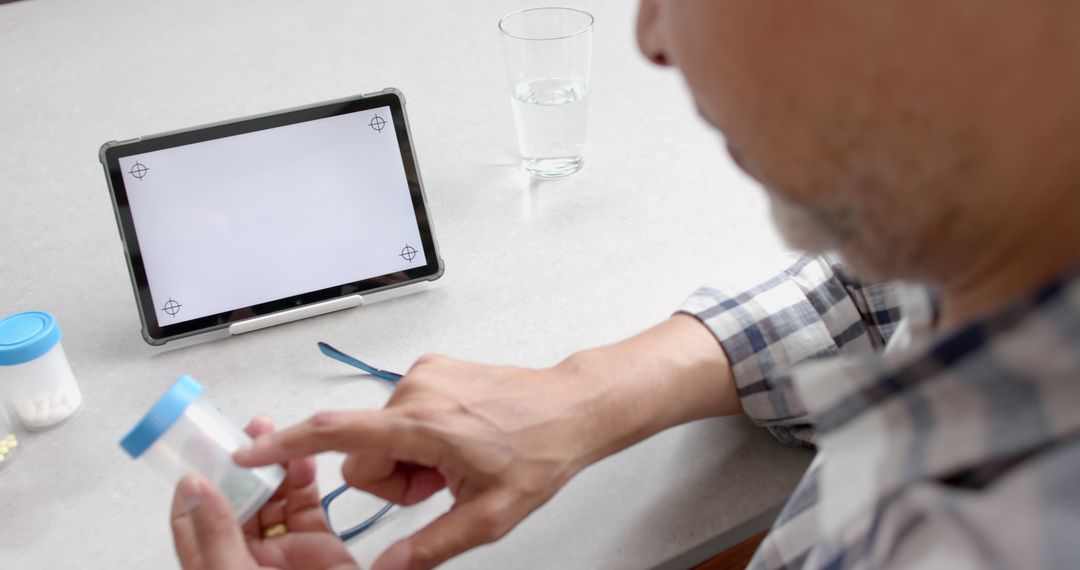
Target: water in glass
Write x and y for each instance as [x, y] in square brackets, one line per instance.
[551, 123]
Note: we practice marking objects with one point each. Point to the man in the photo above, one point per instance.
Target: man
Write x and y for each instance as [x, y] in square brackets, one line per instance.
[933, 142]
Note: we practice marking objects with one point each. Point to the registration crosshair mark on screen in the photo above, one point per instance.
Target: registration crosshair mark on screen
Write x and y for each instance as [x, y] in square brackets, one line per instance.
[138, 170]
[171, 307]
[377, 123]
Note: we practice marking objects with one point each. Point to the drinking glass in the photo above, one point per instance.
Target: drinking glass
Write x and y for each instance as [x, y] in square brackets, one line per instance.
[548, 54]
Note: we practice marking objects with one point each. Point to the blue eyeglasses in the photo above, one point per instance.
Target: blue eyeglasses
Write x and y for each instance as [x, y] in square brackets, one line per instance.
[391, 377]
[336, 354]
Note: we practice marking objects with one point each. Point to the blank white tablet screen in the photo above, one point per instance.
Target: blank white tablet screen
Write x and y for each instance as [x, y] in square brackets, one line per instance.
[242, 220]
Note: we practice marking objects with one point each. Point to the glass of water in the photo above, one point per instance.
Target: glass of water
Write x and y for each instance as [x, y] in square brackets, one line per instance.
[548, 54]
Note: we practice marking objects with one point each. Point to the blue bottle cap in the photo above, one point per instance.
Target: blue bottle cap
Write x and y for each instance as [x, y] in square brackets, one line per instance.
[161, 416]
[27, 336]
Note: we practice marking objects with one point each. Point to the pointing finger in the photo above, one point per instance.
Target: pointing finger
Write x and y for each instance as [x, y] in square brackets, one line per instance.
[381, 431]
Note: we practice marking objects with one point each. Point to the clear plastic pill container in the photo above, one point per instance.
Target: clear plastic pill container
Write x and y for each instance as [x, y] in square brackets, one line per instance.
[183, 434]
[35, 377]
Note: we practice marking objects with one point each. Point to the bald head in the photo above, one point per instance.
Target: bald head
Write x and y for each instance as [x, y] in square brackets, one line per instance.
[906, 134]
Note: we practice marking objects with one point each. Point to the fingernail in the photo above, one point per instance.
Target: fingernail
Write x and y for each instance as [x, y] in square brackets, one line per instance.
[190, 492]
[396, 558]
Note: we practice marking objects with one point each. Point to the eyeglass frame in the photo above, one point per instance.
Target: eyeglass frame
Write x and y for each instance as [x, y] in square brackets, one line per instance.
[393, 378]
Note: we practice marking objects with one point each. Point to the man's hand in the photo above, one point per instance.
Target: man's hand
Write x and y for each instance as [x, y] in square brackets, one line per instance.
[505, 439]
[207, 536]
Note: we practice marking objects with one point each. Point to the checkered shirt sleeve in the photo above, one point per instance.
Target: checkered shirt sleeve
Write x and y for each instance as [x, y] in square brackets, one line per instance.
[813, 309]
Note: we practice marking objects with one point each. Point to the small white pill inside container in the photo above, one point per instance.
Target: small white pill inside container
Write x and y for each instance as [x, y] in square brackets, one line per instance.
[183, 434]
[8, 440]
[35, 376]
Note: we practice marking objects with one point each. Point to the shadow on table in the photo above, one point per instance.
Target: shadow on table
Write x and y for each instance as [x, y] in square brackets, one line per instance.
[753, 474]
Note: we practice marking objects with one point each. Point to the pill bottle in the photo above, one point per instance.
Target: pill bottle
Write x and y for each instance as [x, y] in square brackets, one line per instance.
[35, 377]
[9, 440]
[183, 434]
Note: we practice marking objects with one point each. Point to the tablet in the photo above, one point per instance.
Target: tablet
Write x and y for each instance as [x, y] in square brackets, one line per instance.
[237, 220]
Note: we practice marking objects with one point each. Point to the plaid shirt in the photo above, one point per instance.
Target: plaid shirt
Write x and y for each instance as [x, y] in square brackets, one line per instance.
[959, 450]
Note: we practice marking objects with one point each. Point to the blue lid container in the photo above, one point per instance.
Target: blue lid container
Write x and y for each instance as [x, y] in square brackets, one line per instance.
[161, 416]
[27, 336]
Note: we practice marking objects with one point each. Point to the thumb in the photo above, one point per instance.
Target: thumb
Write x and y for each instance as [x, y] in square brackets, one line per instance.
[465, 526]
[205, 529]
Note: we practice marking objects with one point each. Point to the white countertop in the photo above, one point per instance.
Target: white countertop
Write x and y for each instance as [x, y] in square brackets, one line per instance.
[535, 270]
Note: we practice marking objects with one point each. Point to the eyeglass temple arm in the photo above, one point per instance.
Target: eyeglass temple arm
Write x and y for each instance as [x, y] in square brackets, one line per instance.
[385, 375]
[354, 362]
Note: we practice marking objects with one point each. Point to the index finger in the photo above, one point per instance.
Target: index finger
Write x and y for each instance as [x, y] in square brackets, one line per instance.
[345, 431]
